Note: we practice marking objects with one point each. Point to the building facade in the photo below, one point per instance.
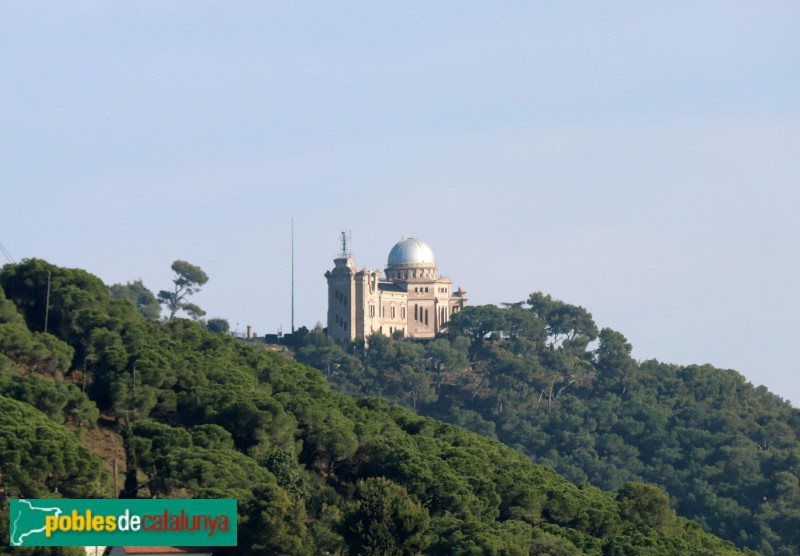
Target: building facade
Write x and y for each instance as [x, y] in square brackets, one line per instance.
[411, 299]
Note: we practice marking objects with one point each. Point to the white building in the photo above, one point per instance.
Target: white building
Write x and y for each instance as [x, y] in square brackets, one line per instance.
[411, 299]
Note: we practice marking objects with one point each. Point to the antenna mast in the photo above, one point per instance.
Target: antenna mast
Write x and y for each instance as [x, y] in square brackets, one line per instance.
[292, 275]
[345, 238]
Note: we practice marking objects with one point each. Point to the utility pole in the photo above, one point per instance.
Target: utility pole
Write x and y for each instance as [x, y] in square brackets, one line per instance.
[47, 303]
[116, 487]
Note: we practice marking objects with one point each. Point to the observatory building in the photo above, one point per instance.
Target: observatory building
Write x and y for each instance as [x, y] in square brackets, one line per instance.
[411, 299]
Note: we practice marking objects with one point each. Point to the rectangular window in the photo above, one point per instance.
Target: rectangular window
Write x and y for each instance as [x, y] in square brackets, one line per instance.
[392, 312]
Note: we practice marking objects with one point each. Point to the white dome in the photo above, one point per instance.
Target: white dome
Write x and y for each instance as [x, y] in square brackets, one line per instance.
[411, 253]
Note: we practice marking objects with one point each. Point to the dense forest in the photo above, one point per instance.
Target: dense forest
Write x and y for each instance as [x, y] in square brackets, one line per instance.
[539, 376]
[199, 414]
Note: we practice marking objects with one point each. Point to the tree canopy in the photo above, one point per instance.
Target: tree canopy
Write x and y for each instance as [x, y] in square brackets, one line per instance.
[142, 298]
[202, 414]
[218, 325]
[539, 376]
[188, 280]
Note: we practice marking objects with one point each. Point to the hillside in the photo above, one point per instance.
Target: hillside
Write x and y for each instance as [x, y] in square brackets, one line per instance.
[315, 471]
[725, 451]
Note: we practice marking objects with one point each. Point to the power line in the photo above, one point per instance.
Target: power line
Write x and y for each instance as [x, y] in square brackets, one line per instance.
[6, 254]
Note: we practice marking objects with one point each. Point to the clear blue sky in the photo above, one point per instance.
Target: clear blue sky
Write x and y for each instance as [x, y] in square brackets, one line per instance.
[639, 159]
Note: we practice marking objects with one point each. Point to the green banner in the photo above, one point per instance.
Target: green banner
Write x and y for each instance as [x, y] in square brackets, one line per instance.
[155, 522]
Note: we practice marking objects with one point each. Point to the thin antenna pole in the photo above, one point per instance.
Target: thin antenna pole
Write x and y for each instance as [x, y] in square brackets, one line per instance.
[116, 487]
[346, 239]
[292, 275]
[47, 303]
